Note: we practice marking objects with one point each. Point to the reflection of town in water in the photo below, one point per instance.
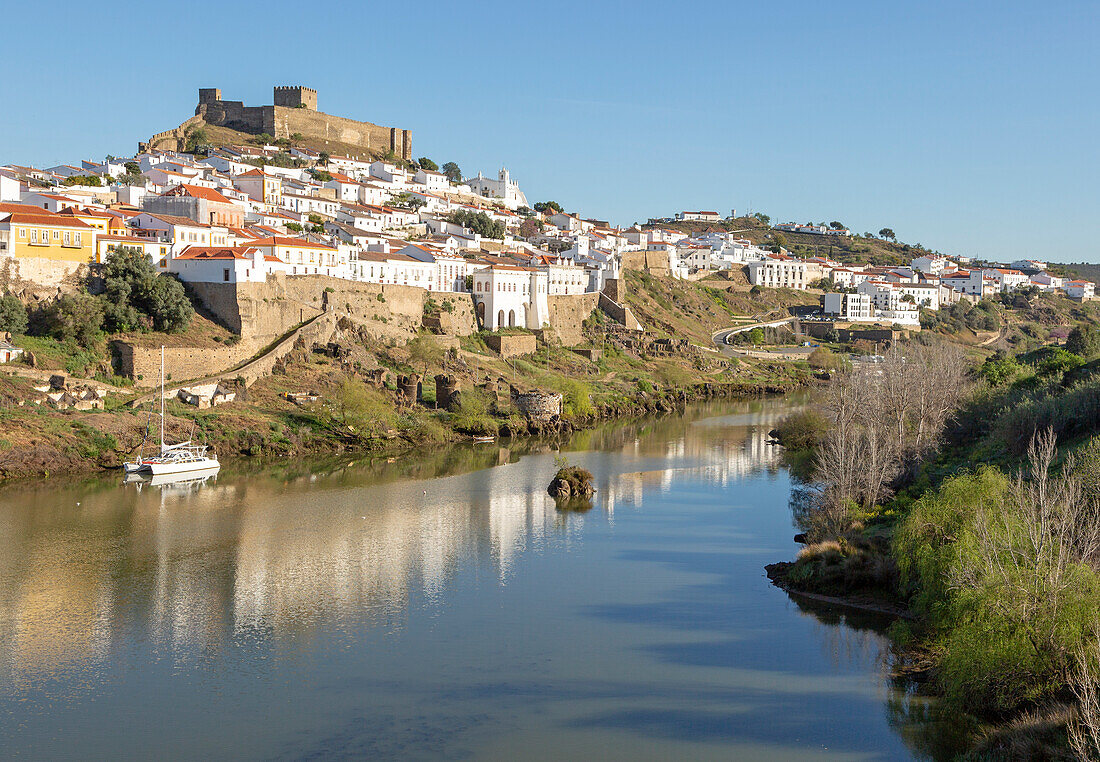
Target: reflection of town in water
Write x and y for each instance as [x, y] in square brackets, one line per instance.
[278, 553]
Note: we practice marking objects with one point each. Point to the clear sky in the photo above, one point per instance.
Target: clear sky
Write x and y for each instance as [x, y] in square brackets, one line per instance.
[970, 127]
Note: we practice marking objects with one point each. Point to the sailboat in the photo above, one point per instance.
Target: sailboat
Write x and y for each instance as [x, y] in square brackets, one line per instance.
[181, 458]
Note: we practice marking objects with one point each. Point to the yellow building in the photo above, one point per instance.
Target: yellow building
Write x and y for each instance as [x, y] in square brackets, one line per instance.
[35, 233]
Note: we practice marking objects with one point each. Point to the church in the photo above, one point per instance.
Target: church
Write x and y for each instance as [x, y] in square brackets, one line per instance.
[504, 189]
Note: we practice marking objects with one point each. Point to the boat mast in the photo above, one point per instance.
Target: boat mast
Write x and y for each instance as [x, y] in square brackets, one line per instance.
[162, 399]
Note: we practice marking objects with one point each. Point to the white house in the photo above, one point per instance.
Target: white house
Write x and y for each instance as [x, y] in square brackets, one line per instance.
[304, 257]
[450, 268]
[699, 216]
[932, 265]
[1045, 281]
[1007, 279]
[783, 273]
[435, 182]
[223, 264]
[848, 277]
[852, 307]
[1080, 289]
[9, 188]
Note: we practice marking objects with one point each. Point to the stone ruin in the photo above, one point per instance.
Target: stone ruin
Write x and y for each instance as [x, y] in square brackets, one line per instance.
[446, 391]
[538, 405]
[409, 389]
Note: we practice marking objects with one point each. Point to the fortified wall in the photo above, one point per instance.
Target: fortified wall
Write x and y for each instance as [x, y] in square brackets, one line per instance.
[262, 312]
[294, 109]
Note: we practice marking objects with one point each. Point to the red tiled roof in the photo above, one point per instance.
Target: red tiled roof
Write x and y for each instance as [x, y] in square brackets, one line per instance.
[215, 252]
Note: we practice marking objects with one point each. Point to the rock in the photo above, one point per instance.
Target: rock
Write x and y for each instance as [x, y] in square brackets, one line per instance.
[571, 482]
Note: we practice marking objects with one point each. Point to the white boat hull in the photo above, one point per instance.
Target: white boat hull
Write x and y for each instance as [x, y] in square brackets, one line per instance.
[202, 464]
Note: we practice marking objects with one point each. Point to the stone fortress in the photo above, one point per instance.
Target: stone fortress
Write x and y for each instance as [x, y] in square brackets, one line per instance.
[294, 110]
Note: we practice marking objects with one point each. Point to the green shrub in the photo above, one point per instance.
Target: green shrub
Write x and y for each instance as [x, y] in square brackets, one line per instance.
[802, 429]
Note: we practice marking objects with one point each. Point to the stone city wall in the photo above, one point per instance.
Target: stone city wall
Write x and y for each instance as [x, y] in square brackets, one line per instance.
[264, 311]
[512, 345]
[568, 313]
[41, 277]
[142, 364]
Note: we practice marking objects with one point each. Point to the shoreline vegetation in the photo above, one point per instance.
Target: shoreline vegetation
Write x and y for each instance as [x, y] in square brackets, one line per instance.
[964, 501]
[357, 419]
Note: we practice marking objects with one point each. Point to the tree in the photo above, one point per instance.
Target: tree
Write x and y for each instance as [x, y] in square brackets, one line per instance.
[424, 351]
[888, 233]
[321, 175]
[1084, 340]
[323, 158]
[837, 225]
[133, 167]
[548, 206]
[360, 412]
[428, 164]
[75, 317]
[763, 218]
[13, 315]
[88, 180]
[296, 138]
[479, 222]
[530, 228]
[196, 137]
[407, 201]
[452, 171]
[756, 336]
[134, 294]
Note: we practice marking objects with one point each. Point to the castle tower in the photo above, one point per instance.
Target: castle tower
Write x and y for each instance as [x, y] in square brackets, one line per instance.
[296, 96]
[503, 177]
[209, 94]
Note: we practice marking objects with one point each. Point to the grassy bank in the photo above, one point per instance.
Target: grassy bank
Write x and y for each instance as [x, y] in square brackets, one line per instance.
[988, 538]
[351, 414]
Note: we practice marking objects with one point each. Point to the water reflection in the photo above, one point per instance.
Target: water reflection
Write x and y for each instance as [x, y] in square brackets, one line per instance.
[255, 553]
[257, 579]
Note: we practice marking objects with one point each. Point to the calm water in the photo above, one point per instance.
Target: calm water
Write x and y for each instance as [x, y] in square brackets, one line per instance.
[440, 607]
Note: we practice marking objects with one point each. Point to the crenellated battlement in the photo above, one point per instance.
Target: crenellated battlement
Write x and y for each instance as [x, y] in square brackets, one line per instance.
[295, 96]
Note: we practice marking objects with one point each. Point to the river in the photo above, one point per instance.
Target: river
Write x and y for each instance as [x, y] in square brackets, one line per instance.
[440, 606]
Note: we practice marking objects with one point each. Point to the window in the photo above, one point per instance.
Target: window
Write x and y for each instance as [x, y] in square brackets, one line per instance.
[34, 236]
[225, 274]
[22, 232]
[76, 239]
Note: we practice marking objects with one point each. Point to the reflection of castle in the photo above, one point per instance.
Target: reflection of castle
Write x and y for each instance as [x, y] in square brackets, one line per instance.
[264, 555]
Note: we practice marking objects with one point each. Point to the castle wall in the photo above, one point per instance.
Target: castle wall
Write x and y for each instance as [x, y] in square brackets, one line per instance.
[262, 312]
[319, 126]
[567, 313]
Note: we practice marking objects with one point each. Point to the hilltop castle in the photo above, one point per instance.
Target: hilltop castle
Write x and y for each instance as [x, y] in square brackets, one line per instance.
[294, 110]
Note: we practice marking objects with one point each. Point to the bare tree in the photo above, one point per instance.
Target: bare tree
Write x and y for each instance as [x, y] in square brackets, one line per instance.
[886, 418]
[1084, 733]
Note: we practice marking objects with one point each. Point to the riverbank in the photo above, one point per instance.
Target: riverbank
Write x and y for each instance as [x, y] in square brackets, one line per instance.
[985, 534]
[347, 417]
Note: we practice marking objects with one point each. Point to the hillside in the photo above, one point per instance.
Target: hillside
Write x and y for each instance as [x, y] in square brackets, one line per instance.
[686, 310]
[854, 249]
[1080, 270]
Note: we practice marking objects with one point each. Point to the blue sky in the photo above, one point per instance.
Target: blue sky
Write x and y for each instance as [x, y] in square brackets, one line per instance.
[970, 127]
